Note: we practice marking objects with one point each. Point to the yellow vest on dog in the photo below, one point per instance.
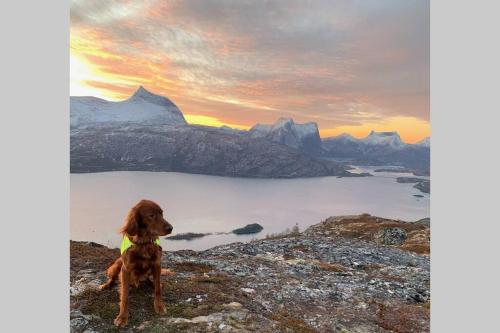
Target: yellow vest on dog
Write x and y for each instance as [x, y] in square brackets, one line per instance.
[126, 243]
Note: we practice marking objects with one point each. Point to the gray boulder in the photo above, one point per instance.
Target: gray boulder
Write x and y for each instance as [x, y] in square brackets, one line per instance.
[392, 236]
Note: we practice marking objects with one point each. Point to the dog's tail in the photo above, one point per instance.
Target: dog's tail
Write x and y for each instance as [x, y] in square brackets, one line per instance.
[113, 272]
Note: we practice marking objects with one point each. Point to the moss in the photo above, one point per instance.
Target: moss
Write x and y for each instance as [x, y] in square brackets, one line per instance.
[105, 304]
[402, 319]
[289, 323]
[80, 252]
[100, 303]
[301, 248]
[331, 267]
[218, 278]
[417, 248]
[178, 310]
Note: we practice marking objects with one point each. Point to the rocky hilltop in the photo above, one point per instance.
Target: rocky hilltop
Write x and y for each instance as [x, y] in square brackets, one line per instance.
[346, 274]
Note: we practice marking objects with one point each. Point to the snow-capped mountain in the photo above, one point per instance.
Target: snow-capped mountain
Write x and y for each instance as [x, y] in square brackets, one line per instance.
[143, 107]
[343, 146]
[379, 148]
[424, 142]
[344, 137]
[391, 139]
[286, 131]
[149, 132]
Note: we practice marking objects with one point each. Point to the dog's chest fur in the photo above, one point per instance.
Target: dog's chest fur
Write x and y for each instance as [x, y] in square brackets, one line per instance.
[141, 261]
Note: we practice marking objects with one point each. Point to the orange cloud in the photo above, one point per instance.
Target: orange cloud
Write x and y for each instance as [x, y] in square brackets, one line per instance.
[410, 129]
[220, 67]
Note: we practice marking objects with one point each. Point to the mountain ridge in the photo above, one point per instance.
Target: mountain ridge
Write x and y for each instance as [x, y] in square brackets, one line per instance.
[284, 130]
[97, 126]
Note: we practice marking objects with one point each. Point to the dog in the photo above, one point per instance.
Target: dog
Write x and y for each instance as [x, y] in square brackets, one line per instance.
[140, 258]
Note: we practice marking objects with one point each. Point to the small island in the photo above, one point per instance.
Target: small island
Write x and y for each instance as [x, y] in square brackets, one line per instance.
[353, 174]
[409, 180]
[187, 236]
[248, 229]
[416, 172]
[423, 185]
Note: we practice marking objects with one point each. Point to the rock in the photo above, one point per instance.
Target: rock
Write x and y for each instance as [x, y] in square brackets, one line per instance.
[419, 298]
[392, 236]
[248, 290]
[233, 306]
[78, 324]
[83, 285]
[248, 229]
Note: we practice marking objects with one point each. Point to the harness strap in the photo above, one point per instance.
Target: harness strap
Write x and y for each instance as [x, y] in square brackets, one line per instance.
[126, 243]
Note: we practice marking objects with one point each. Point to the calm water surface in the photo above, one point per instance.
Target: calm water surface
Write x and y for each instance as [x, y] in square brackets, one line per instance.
[211, 204]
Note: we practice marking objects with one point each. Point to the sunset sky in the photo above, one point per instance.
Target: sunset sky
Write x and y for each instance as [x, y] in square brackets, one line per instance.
[349, 65]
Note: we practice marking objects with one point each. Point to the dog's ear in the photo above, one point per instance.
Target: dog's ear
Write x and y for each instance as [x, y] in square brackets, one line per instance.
[131, 226]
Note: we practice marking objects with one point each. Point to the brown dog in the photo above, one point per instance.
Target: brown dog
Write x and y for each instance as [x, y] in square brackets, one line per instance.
[141, 258]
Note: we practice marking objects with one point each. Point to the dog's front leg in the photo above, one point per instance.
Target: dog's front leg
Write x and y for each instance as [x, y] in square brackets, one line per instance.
[122, 318]
[158, 304]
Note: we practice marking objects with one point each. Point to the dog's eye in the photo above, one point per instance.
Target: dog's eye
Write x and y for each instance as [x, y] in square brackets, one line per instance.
[152, 216]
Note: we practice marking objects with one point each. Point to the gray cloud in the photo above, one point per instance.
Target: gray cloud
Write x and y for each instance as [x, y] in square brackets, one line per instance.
[314, 59]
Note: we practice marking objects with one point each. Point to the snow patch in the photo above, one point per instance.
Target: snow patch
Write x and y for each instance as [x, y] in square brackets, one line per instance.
[384, 138]
[143, 107]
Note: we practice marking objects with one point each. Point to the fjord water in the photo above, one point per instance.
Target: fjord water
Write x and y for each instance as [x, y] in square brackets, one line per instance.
[211, 204]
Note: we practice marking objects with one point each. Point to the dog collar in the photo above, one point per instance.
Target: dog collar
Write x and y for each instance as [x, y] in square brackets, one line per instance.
[126, 243]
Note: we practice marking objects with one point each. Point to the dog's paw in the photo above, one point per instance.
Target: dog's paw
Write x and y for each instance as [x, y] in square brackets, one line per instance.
[160, 307]
[103, 286]
[121, 321]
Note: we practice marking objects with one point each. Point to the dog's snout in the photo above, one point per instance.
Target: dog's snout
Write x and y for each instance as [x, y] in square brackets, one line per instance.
[169, 228]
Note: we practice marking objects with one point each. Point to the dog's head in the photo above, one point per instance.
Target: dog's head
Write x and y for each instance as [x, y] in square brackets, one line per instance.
[146, 219]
